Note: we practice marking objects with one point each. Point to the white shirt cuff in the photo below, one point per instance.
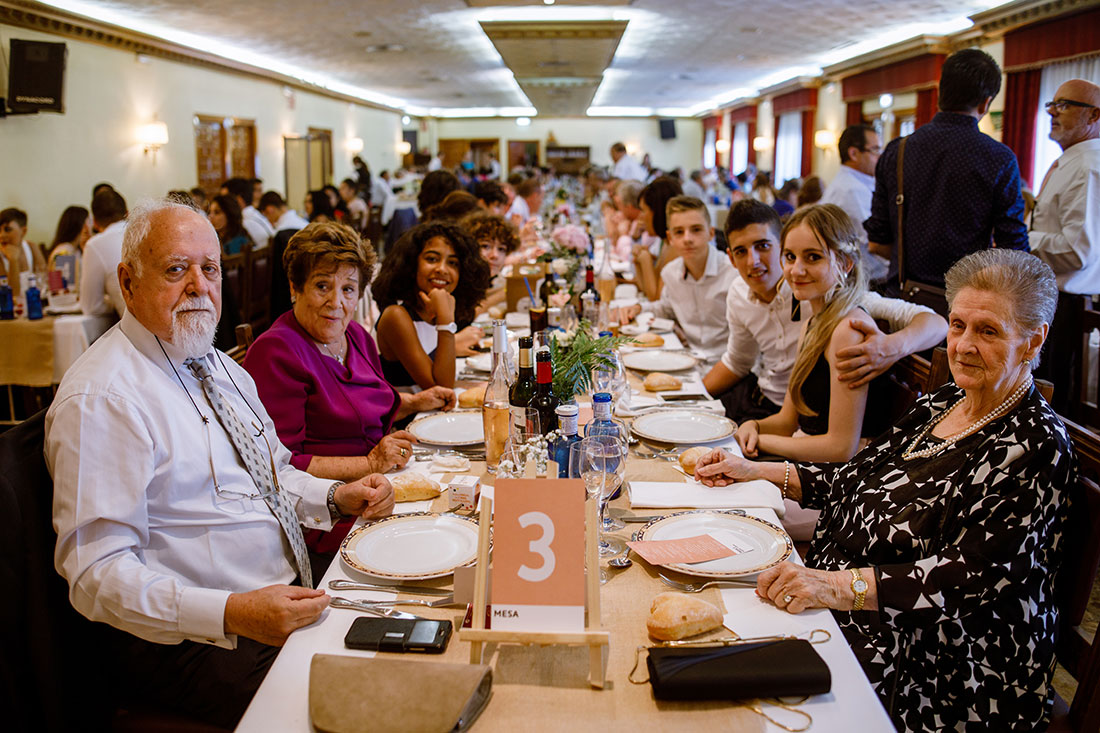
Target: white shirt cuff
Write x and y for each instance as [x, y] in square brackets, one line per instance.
[202, 616]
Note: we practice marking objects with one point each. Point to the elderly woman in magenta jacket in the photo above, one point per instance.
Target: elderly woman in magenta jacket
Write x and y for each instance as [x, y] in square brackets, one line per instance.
[318, 374]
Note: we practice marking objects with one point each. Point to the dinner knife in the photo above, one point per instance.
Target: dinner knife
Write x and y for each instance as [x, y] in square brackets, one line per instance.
[341, 584]
[383, 611]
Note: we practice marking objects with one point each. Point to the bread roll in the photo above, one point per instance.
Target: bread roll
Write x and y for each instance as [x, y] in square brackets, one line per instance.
[690, 457]
[678, 616]
[413, 487]
[472, 397]
[661, 382]
[649, 339]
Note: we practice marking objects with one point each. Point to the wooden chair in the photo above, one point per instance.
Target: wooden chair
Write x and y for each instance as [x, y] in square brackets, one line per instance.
[373, 231]
[257, 312]
[244, 340]
[1077, 654]
[1086, 411]
[235, 272]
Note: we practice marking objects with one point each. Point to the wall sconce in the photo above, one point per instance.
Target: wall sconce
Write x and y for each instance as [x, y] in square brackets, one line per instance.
[886, 101]
[405, 119]
[632, 148]
[153, 135]
[761, 143]
[404, 147]
[355, 145]
[523, 121]
[722, 146]
[825, 139]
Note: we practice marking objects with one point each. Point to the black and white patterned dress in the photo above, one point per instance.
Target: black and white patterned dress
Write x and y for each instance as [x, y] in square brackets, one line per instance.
[965, 546]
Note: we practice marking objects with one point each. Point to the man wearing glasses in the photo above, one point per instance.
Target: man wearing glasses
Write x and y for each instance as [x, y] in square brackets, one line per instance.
[1065, 227]
[854, 185]
[177, 512]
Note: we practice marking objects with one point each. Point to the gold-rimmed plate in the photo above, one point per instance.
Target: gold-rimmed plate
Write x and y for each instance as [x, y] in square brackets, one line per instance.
[762, 544]
[416, 546]
[455, 428]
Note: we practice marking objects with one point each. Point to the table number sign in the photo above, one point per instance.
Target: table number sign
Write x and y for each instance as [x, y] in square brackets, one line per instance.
[538, 555]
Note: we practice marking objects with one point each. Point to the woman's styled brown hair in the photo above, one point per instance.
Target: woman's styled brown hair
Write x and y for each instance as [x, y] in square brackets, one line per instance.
[327, 244]
[834, 230]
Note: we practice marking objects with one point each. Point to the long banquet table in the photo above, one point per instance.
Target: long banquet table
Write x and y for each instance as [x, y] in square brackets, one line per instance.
[40, 352]
[544, 688]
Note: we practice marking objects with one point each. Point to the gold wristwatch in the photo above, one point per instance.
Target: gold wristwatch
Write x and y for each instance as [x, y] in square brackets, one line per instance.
[859, 587]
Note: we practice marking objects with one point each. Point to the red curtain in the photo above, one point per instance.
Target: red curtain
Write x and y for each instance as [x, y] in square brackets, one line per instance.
[923, 70]
[775, 147]
[855, 113]
[807, 141]
[927, 100]
[743, 114]
[797, 100]
[752, 138]
[711, 123]
[1061, 38]
[1021, 106]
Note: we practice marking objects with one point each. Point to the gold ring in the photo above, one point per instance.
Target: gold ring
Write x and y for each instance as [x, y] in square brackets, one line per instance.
[788, 598]
[404, 453]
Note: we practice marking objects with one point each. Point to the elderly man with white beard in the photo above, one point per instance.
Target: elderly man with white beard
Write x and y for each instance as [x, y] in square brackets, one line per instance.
[177, 512]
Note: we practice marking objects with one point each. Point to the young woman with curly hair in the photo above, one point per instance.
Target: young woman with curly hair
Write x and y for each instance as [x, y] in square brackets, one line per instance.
[428, 289]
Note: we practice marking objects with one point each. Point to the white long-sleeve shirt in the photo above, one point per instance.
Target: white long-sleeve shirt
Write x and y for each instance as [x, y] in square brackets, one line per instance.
[764, 340]
[145, 541]
[99, 290]
[258, 227]
[1065, 226]
[698, 306]
[628, 169]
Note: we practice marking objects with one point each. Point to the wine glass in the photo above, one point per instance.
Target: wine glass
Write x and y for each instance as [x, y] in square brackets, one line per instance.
[579, 468]
[611, 377]
[602, 469]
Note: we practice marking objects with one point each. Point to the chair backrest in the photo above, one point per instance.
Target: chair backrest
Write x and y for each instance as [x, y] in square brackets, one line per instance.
[244, 340]
[235, 270]
[55, 664]
[1079, 655]
[373, 231]
[1086, 408]
[258, 311]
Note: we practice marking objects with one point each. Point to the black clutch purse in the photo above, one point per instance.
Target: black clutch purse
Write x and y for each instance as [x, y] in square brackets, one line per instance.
[784, 668]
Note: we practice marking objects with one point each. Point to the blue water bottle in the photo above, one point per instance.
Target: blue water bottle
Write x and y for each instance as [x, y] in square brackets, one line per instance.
[7, 302]
[603, 424]
[567, 425]
[34, 300]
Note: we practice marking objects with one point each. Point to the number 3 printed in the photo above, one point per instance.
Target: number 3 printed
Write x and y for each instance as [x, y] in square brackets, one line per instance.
[540, 547]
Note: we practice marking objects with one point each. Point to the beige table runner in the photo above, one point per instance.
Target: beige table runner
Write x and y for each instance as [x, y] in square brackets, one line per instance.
[26, 357]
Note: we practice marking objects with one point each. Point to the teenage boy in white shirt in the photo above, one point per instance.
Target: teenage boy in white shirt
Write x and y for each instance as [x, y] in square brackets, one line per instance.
[696, 282]
[752, 375]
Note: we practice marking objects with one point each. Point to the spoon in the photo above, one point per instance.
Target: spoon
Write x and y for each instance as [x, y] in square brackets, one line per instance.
[620, 563]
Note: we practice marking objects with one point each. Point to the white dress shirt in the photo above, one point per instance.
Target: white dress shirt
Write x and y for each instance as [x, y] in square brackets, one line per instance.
[628, 169]
[691, 188]
[697, 306]
[290, 220]
[145, 541]
[1065, 226]
[380, 195]
[99, 290]
[764, 340]
[519, 207]
[258, 227]
[852, 191]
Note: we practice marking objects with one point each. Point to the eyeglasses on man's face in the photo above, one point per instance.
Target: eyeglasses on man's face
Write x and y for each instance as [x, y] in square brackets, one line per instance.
[1060, 105]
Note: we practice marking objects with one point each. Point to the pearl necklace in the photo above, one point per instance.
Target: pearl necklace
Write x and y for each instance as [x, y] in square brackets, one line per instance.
[910, 453]
[338, 357]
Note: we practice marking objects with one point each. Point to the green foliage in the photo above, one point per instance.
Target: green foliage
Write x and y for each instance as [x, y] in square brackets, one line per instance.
[573, 365]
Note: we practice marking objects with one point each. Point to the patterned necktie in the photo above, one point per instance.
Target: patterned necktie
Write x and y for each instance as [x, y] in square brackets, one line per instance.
[261, 473]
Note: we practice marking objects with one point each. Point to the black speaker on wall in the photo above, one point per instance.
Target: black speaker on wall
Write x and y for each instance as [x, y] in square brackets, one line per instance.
[668, 129]
[36, 76]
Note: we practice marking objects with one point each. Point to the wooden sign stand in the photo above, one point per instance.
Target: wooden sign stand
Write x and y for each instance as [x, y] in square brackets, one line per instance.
[595, 639]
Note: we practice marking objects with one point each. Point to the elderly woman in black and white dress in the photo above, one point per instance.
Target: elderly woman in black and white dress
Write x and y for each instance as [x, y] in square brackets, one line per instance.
[938, 543]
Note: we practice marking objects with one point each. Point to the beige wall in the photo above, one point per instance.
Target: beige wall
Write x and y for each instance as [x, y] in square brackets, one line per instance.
[50, 161]
[598, 133]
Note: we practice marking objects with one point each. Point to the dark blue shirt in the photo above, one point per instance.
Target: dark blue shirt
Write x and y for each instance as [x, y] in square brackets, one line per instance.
[962, 189]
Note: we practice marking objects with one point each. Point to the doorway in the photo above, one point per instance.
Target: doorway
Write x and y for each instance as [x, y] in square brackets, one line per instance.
[523, 153]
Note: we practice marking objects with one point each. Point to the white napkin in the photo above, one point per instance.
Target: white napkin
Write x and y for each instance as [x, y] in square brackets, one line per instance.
[692, 494]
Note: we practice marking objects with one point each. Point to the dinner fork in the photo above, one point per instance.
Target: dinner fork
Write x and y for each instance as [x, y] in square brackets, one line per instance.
[695, 588]
[445, 601]
[387, 611]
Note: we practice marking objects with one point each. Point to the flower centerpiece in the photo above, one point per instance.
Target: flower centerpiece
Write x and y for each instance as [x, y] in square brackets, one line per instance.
[574, 355]
[568, 247]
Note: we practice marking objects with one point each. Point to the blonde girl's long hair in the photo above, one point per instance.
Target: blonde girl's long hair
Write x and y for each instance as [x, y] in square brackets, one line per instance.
[835, 231]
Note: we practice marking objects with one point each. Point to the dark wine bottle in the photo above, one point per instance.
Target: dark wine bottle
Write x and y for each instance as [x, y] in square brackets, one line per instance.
[523, 389]
[590, 283]
[545, 401]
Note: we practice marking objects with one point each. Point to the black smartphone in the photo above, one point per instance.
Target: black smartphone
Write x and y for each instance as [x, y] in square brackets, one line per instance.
[398, 635]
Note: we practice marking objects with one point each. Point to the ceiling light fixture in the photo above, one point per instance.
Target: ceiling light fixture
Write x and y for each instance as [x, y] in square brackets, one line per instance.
[405, 119]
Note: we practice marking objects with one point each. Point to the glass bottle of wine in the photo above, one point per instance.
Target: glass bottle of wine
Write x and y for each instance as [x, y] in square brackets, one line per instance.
[545, 401]
[523, 390]
[495, 412]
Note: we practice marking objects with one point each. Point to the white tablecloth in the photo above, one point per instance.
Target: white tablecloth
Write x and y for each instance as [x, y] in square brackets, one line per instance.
[72, 335]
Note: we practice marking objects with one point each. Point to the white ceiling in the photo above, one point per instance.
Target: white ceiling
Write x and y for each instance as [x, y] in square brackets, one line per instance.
[675, 56]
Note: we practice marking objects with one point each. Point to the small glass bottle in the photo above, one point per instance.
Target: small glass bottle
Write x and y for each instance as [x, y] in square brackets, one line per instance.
[34, 299]
[495, 410]
[7, 301]
[567, 426]
[602, 422]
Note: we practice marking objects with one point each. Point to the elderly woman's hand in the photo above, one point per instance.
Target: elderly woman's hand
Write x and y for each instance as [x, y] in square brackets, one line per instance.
[748, 437]
[719, 468]
[435, 398]
[392, 452]
[795, 588]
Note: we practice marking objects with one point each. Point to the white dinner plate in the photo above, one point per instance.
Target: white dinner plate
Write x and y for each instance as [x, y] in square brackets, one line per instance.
[658, 361]
[484, 362]
[764, 543]
[462, 427]
[682, 426]
[415, 546]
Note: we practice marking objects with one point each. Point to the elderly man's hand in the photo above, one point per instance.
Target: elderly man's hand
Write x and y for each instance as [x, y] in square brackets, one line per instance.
[795, 588]
[268, 615]
[369, 497]
[866, 360]
[719, 468]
